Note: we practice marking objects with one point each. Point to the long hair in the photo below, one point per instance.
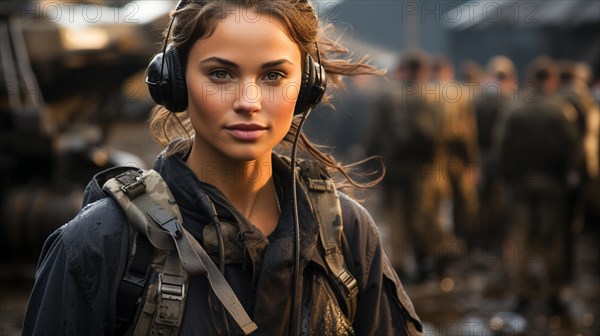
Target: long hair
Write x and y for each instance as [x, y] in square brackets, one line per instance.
[199, 19]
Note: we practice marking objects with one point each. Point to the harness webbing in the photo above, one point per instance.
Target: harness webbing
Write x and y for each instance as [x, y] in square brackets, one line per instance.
[161, 239]
[325, 204]
[144, 196]
[133, 283]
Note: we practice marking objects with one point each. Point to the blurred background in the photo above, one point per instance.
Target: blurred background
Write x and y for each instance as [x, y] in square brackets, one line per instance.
[487, 122]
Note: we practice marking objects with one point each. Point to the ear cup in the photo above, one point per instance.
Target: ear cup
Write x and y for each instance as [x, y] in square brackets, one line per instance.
[312, 87]
[166, 80]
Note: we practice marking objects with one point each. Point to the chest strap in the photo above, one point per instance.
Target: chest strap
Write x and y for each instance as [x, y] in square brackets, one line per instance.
[326, 206]
[144, 197]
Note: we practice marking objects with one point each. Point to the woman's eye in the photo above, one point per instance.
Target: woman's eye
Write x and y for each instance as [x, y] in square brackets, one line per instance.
[220, 74]
[274, 76]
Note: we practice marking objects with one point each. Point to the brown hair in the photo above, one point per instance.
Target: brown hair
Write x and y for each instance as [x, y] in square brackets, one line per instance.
[199, 19]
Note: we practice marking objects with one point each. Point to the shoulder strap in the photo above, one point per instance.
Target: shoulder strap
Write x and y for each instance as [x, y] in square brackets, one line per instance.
[328, 212]
[145, 198]
[133, 282]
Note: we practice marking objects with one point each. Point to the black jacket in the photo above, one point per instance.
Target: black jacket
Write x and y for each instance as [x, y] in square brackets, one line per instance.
[76, 280]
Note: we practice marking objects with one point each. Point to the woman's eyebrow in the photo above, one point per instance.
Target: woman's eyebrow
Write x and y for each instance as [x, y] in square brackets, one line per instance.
[234, 65]
[277, 62]
[220, 60]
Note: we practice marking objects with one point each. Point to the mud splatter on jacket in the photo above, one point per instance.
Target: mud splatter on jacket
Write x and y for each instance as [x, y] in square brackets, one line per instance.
[76, 279]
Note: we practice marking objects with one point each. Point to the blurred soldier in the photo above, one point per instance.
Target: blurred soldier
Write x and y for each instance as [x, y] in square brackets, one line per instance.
[584, 200]
[537, 151]
[459, 137]
[404, 129]
[497, 93]
[574, 88]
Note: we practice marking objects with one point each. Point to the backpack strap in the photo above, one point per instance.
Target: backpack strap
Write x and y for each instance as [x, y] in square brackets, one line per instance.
[326, 206]
[131, 286]
[165, 299]
[145, 198]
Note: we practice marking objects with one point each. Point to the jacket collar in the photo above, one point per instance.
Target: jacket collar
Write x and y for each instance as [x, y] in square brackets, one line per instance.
[184, 185]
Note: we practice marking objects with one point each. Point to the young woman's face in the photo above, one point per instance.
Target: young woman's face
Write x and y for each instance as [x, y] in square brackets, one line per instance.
[243, 84]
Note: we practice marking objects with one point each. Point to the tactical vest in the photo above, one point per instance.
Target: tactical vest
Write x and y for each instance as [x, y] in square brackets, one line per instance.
[151, 300]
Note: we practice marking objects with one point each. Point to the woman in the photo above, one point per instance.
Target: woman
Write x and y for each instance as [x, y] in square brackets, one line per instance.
[241, 63]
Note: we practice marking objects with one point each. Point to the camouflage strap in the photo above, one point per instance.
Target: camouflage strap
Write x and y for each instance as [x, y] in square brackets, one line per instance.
[144, 196]
[162, 311]
[328, 212]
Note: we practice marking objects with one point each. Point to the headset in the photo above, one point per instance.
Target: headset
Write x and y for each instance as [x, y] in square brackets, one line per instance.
[165, 77]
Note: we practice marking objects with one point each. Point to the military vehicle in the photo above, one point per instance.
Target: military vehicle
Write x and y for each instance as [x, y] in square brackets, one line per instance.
[70, 71]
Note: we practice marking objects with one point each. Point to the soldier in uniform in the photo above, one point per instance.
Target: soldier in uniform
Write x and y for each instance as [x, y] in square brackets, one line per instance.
[225, 112]
[404, 130]
[585, 115]
[459, 137]
[496, 93]
[537, 152]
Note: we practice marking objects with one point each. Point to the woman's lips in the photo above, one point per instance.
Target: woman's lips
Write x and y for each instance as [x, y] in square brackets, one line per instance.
[246, 132]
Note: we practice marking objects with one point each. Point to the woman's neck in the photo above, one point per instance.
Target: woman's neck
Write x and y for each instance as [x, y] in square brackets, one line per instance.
[248, 185]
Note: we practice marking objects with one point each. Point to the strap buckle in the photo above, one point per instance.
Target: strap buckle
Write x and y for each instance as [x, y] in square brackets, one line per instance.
[132, 182]
[166, 220]
[349, 283]
[320, 185]
[171, 291]
[349, 287]
[171, 287]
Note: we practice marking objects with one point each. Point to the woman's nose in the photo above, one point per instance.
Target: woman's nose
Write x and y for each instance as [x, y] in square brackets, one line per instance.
[248, 99]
